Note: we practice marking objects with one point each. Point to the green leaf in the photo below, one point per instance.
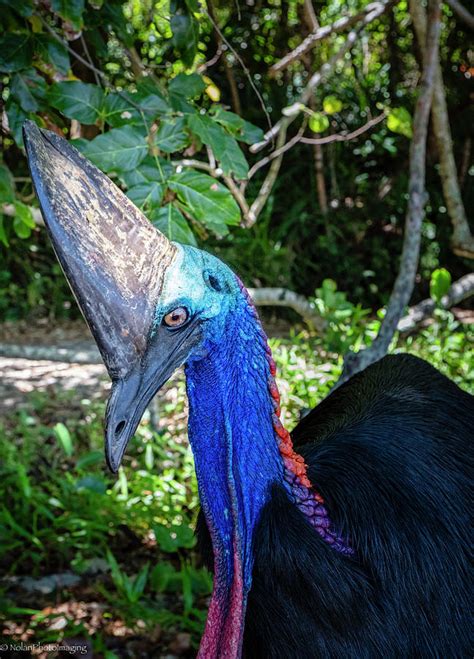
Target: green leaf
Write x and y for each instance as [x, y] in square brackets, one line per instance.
[184, 87]
[150, 99]
[22, 7]
[64, 438]
[149, 457]
[121, 149]
[77, 100]
[7, 186]
[223, 145]
[173, 538]
[116, 110]
[439, 284]
[250, 134]
[53, 52]
[23, 481]
[117, 575]
[150, 169]
[171, 135]
[170, 221]
[140, 583]
[70, 10]
[185, 31]
[27, 87]
[16, 52]
[318, 122]
[89, 459]
[399, 121]
[23, 221]
[23, 212]
[127, 108]
[188, 85]
[229, 120]
[3, 233]
[162, 575]
[16, 119]
[332, 104]
[146, 195]
[206, 200]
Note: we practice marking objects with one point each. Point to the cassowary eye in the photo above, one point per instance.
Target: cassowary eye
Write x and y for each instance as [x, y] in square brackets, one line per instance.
[176, 318]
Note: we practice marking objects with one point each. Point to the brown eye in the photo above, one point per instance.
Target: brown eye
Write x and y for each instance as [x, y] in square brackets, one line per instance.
[176, 318]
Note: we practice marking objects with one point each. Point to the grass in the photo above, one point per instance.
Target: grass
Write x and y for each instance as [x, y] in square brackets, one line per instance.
[129, 540]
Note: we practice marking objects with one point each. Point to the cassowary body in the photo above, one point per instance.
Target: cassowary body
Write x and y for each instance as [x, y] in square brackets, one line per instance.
[347, 539]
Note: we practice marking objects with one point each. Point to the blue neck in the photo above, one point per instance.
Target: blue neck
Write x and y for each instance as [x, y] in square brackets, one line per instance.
[235, 450]
[240, 450]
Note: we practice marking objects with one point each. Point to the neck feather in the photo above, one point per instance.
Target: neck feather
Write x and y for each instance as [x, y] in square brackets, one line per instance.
[241, 449]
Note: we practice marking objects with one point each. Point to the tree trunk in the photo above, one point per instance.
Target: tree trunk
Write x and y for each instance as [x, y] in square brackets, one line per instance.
[462, 240]
[405, 281]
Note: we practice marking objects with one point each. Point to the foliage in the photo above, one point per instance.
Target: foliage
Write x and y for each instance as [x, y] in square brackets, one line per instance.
[145, 89]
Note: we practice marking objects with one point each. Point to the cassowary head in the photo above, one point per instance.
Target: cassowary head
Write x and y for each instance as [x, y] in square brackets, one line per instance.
[151, 304]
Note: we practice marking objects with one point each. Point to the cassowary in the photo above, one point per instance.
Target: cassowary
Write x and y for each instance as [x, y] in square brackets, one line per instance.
[347, 538]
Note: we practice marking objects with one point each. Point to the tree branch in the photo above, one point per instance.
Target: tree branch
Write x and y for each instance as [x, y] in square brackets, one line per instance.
[366, 16]
[282, 297]
[316, 79]
[461, 290]
[267, 185]
[402, 290]
[345, 137]
[462, 12]
[276, 297]
[278, 152]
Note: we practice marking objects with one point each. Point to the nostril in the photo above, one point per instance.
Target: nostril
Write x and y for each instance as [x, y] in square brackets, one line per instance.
[120, 426]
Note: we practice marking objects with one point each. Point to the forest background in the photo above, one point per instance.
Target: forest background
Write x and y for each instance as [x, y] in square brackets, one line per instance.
[323, 149]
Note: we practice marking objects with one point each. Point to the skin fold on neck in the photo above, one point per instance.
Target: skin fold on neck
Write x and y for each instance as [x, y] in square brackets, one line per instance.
[241, 449]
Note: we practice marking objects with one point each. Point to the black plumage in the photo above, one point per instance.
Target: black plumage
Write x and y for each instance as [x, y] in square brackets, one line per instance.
[391, 453]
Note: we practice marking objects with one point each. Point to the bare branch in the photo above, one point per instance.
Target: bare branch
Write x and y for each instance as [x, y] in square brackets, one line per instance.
[239, 59]
[366, 16]
[461, 290]
[198, 164]
[282, 297]
[315, 80]
[402, 290]
[238, 196]
[89, 58]
[72, 52]
[462, 12]
[267, 185]
[345, 137]
[462, 239]
[278, 152]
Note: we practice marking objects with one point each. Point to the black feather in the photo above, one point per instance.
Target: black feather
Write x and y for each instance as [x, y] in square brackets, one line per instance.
[391, 453]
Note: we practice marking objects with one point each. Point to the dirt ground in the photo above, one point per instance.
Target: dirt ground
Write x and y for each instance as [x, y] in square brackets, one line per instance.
[19, 377]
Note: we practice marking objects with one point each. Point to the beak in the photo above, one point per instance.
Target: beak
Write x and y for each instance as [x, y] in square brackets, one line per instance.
[131, 396]
[115, 262]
